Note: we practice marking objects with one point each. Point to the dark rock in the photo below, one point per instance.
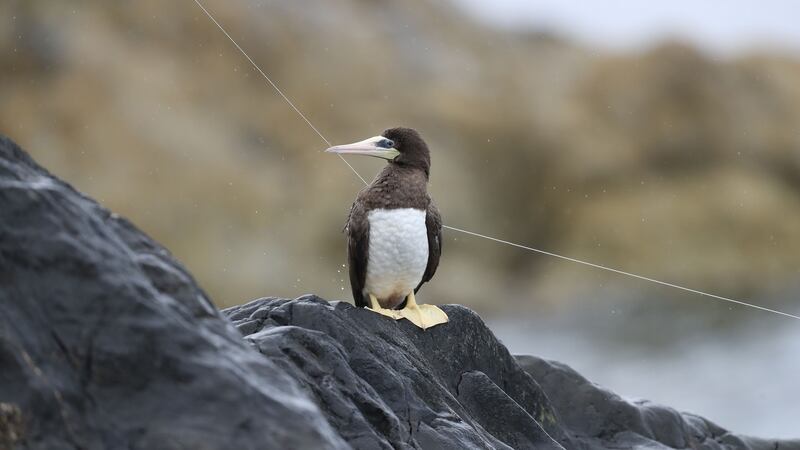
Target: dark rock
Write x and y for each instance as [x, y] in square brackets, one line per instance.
[107, 342]
[385, 384]
[599, 419]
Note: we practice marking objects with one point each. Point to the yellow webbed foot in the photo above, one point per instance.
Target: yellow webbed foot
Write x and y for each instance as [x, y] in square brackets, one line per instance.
[423, 316]
[376, 308]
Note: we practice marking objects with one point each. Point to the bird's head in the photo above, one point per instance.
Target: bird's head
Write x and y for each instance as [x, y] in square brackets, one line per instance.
[401, 146]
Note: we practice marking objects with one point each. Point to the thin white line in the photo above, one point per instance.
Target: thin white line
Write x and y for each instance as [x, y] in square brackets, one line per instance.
[621, 272]
[277, 89]
[566, 258]
[353, 169]
[262, 72]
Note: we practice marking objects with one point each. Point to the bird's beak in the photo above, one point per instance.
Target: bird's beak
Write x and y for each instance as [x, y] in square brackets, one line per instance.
[366, 147]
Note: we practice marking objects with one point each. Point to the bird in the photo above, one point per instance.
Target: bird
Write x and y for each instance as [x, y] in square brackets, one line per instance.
[394, 230]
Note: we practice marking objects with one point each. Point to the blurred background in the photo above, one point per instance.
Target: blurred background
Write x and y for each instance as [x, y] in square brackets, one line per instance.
[658, 139]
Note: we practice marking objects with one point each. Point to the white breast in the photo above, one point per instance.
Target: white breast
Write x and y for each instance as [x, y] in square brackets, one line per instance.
[398, 253]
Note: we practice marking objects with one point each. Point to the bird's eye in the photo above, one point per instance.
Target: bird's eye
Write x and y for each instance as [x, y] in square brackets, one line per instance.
[385, 143]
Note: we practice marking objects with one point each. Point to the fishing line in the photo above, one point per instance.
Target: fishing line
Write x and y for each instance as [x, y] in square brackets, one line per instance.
[472, 233]
[277, 89]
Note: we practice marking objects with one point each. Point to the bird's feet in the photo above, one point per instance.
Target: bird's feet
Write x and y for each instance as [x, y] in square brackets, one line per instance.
[376, 307]
[423, 316]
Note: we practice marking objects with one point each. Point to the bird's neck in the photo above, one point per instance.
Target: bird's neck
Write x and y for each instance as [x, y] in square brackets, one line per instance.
[402, 177]
[398, 187]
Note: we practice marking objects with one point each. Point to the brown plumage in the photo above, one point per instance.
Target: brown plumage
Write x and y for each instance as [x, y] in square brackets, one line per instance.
[403, 183]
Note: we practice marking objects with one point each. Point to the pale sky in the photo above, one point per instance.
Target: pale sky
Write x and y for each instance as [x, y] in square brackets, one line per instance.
[725, 27]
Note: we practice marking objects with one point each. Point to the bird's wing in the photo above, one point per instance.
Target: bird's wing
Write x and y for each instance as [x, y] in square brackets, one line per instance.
[433, 222]
[357, 229]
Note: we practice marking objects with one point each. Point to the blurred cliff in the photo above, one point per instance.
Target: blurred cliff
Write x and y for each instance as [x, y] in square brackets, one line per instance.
[669, 163]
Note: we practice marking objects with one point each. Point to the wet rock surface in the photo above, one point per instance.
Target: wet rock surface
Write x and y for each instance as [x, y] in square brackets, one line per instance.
[107, 342]
[385, 384]
[597, 418]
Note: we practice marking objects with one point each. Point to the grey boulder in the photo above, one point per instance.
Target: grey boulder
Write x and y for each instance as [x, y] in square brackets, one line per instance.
[107, 342]
[387, 384]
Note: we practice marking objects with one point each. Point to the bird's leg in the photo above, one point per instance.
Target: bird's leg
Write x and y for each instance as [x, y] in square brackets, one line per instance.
[376, 307]
[423, 316]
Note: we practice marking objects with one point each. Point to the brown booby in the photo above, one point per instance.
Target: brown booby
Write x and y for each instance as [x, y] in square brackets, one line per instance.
[394, 231]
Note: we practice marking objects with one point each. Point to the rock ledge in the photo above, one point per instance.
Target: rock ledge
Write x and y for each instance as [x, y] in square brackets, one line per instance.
[107, 342]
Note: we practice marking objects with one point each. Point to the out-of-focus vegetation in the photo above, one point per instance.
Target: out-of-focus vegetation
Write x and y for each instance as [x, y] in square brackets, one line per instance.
[669, 163]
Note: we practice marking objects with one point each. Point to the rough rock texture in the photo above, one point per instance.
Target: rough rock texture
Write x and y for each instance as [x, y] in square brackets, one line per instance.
[106, 342]
[597, 418]
[385, 384]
